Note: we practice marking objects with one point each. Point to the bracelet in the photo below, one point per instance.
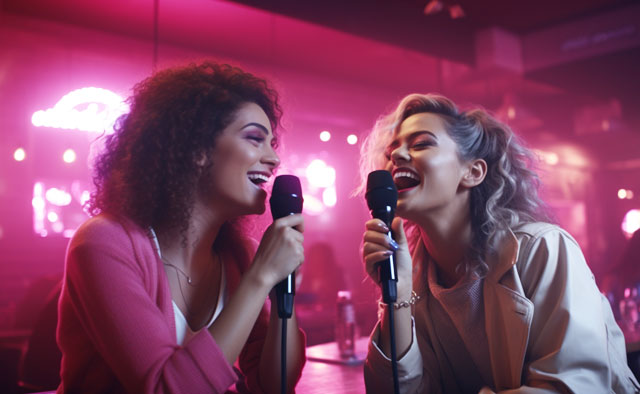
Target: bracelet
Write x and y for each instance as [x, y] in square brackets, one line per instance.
[403, 304]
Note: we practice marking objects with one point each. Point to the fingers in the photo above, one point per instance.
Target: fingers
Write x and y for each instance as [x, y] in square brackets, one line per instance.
[376, 225]
[295, 221]
[397, 226]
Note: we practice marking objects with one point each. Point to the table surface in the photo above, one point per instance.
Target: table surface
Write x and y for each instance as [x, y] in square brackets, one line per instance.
[325, 372]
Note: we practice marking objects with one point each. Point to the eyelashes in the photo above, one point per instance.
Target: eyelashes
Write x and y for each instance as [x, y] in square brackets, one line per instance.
[255, 138]
[417, 145]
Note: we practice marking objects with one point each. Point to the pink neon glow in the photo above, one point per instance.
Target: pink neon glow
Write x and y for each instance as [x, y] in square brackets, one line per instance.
[325, 136]
[58, 207]
[312, 205]
[19, 154]
[550, 158]
[89, 109]
[53, 217]
[38, 204]
[69, 156]
[58, 197]
[84, 197]
[630, 223]
[329, 197]
[320, 174]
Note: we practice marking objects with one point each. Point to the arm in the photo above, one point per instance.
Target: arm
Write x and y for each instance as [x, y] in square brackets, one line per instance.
[280, 253]
[378, 372]
[573, 343]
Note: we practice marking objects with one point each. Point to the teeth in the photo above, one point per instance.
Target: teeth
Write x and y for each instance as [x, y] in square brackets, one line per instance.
[405, 174]
[258, 177]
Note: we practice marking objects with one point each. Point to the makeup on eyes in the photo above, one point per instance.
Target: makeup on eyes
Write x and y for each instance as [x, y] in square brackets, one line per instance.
[413, 140]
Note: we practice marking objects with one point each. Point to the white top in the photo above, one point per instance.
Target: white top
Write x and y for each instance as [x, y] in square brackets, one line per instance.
[183, 331]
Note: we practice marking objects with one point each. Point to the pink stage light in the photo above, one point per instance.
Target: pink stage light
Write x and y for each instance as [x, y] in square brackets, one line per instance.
[58, 197]
[58, 207]
[19, 154]
[53, 217]
[320, 174]
[329, 197]
[550, 158]
[69, 156]
[352, 139]
[312, 205]
[38, 204]
[631, 222]
[89, 109]
[325, 136]
[625, 194]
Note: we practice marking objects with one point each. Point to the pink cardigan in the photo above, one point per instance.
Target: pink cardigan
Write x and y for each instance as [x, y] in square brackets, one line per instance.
[116, 325]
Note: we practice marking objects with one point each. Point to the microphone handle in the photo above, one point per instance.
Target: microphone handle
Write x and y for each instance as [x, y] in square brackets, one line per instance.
[387, 269]
[285, 290]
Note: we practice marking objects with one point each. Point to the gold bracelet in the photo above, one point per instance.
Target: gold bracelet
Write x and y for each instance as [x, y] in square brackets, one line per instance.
[403, 304]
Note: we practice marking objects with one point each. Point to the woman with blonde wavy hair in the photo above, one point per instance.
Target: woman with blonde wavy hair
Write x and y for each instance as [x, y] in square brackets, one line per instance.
[491, 297]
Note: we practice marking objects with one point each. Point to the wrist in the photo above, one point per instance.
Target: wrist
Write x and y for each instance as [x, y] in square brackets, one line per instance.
[258, 280]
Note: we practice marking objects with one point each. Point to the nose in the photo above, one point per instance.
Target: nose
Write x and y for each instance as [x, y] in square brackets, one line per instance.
[271, 158]
[400, 154]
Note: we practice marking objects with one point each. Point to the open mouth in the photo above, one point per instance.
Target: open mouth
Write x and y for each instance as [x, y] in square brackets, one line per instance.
[258, 178]
[405, 179]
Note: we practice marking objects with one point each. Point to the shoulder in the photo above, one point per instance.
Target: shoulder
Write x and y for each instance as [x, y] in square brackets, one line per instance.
[546, 254]
[105, 228]
[109, 240]
[541, 234]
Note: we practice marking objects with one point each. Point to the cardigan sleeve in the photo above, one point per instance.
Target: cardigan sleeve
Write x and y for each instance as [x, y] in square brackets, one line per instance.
[574, 342]
[111, 289]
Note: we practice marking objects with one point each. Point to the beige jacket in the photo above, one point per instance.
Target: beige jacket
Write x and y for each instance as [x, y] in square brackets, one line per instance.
[548, 327]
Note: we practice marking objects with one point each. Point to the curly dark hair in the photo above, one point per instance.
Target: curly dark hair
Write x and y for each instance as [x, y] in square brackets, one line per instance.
[149, 169]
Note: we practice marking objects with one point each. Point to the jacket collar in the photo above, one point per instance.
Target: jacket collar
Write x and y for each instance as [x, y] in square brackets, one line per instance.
[505, 258]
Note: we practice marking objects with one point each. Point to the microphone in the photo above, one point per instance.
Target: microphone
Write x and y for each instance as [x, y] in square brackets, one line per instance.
[382, 199]
[286, 199]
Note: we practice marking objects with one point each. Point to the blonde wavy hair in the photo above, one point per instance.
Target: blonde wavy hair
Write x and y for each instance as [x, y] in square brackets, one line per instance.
[508, 195]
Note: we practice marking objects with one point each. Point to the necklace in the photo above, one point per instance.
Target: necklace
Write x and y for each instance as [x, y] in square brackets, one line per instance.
[178, 270]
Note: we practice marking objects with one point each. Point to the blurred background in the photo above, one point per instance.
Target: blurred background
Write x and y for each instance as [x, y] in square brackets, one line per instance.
[563, 74]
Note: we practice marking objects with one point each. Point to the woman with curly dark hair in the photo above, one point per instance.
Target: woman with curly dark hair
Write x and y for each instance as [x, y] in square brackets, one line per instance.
[163, 291]
[490, 297]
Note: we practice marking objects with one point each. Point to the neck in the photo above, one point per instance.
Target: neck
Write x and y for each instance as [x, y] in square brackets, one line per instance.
[447, 237]
[191, 251]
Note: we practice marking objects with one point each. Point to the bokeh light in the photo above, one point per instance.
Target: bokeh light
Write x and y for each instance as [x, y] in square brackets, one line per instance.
[352, 139]
[319, 174]
[19, 154]
[631, 222]
[69, 156]
[325, 136]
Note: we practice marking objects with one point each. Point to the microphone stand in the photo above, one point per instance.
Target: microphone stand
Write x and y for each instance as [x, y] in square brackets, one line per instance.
[284, 295]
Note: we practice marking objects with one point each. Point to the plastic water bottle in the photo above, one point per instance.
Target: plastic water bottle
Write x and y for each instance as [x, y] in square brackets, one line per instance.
[345, 325]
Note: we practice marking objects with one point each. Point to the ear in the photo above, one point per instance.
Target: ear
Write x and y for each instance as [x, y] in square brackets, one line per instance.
[474, 174]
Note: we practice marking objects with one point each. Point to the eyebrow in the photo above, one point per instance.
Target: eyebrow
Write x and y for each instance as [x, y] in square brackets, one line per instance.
[258, 125]
[412, 136]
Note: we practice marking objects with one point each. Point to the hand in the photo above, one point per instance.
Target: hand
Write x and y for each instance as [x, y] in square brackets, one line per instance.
[280, 251]
[377, 246]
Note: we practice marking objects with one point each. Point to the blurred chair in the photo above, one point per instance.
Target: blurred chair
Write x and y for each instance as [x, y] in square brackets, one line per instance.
[39, 368]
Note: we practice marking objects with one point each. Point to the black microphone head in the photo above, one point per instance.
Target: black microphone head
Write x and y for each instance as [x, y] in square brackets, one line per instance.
[286, 196]
[381, 191]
